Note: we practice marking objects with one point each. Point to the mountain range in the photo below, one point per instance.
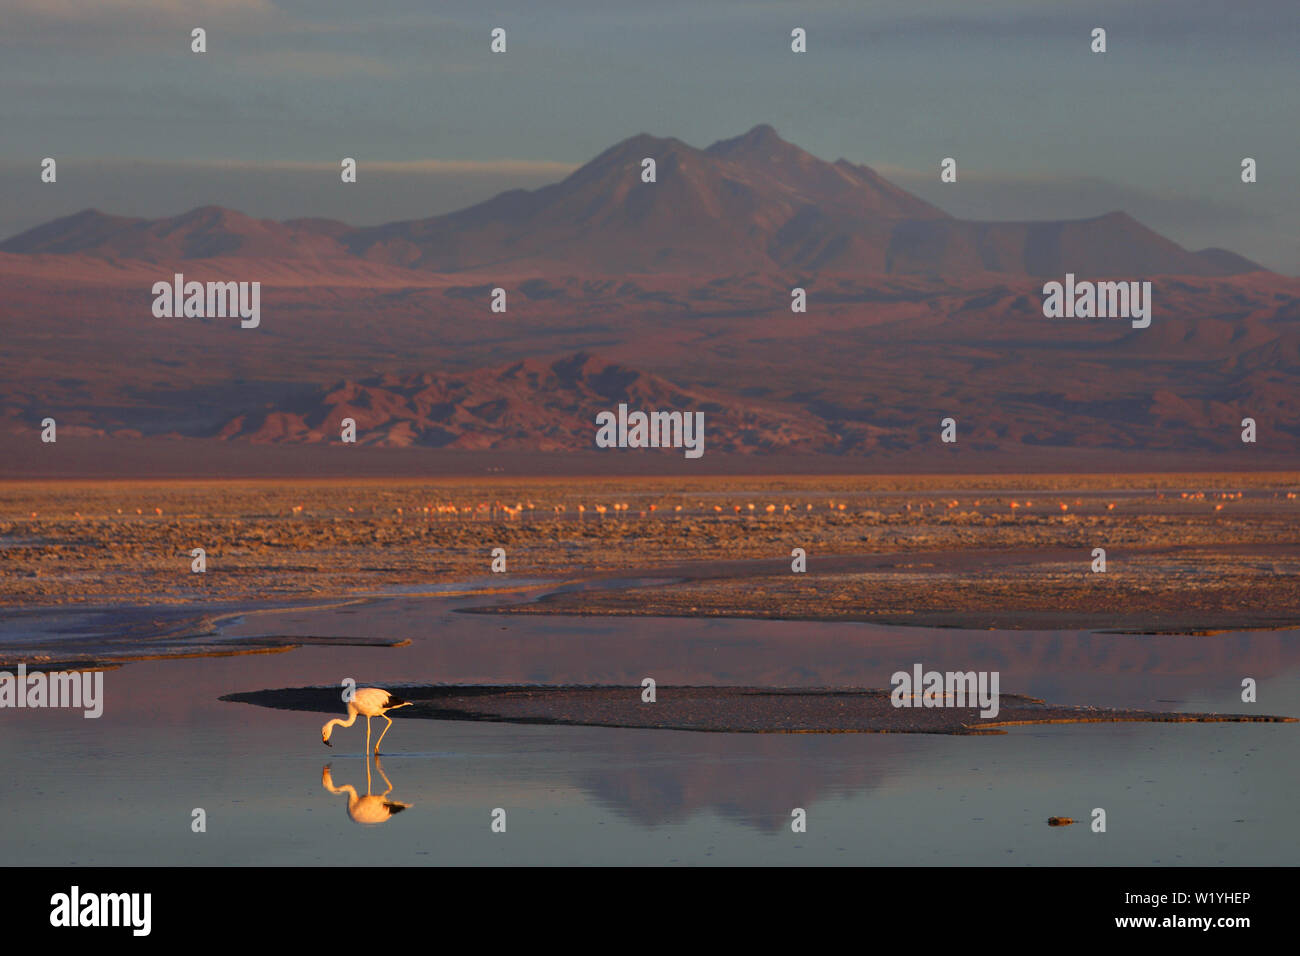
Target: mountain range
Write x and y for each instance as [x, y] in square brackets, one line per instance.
[751, 203]
[666, 295]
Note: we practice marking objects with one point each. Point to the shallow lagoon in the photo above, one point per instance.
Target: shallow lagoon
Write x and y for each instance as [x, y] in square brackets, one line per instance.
[121, 790]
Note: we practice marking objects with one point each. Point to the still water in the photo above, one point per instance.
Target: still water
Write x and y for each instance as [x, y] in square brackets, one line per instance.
[122, 790]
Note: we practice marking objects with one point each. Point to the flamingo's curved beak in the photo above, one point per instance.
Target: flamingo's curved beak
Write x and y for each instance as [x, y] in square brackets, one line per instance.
[326, 742]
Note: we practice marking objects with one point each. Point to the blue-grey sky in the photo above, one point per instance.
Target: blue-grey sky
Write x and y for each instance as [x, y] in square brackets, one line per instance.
[1040, 126]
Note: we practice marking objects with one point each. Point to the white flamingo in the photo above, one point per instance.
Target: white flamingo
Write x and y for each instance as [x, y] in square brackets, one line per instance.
[368, 702]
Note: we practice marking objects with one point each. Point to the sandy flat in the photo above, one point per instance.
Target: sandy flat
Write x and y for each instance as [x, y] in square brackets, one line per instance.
[722, 709]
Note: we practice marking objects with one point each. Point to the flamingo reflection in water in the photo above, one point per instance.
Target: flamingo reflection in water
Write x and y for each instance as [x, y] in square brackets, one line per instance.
[369, 809]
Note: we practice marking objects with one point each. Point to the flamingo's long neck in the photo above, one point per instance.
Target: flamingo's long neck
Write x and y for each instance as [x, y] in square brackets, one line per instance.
[352, 719]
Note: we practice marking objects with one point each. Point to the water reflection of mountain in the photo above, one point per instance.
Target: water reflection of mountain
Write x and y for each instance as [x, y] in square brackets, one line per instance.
[688, 774]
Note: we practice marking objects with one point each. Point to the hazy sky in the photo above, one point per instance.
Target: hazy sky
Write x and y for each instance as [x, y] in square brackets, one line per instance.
[1040, 126]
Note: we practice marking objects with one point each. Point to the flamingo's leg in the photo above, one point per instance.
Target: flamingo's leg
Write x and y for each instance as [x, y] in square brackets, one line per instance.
[381, 736]
[367, 735]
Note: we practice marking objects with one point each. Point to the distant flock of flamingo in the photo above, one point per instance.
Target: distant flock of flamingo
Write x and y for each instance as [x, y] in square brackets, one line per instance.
[529, 509]
[495, 510]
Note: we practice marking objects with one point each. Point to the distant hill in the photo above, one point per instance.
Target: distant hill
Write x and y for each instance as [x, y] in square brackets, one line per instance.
[203, 233]
[532, 404]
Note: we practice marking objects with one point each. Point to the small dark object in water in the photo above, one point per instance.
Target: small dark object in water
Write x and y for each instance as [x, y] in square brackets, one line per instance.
[1059, 821]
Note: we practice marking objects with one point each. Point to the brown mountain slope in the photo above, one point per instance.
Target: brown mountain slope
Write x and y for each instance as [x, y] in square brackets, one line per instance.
[1111, 245]
[874, 362]
[529, 405]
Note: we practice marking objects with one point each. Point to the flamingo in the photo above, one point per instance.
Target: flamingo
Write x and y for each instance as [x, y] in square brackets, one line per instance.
[368, 702]
[371, 808]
